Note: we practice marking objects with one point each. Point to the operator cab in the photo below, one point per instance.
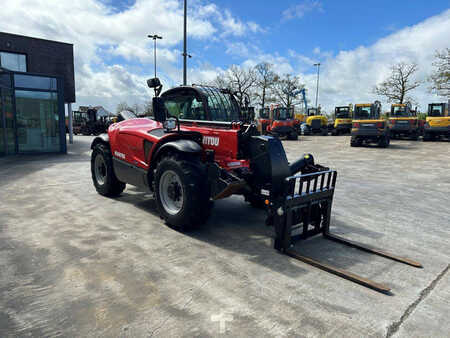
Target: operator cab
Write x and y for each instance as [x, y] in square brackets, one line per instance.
[283, 113]
[264, 113]
[436, 110]
[342, 112]
[402, 110]
[313, 112]
[367, 111]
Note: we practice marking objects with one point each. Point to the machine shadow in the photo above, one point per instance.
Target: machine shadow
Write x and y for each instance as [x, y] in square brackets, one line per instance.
[235, 226]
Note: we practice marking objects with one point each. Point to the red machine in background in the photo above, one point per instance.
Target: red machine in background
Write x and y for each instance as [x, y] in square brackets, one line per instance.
[279, 121]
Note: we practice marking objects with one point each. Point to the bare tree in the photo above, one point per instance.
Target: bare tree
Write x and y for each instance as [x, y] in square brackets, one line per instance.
[265, 79]
[440, 79]
[399, 83]
[286, 89]
[240, 81]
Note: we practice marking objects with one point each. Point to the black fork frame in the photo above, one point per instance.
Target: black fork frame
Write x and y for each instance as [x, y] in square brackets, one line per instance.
[307, 195]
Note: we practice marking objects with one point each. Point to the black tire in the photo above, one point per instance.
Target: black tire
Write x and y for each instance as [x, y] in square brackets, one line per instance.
[191, 174]
[384, 141]
[414, 136]
[324, 132]
[293, 136]
[108, 186]
[354, 142]
[427, 137]
[334, 132]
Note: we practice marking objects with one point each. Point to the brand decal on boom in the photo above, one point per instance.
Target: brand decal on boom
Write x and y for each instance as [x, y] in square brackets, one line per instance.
[210, 141]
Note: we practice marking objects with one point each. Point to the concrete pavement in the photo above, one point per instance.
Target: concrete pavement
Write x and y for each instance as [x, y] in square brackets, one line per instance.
[74, 263]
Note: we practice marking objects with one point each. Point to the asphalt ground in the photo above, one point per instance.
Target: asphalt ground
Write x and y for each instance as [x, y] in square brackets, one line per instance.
[74, 263]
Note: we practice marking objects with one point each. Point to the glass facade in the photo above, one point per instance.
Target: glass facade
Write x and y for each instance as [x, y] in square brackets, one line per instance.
[31, 114]
[37, 121]
[13, 61]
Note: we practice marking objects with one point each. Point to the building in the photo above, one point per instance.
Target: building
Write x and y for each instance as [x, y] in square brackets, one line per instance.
[36, 81]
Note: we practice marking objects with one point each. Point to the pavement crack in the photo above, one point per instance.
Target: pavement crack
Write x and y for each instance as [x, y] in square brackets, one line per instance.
[395, 326]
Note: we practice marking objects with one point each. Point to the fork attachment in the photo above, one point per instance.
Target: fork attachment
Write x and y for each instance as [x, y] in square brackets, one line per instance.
[304, 211]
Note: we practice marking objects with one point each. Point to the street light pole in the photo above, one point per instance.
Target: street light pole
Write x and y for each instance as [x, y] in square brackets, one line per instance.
[317, 87]
[155, 37]
[185, 45]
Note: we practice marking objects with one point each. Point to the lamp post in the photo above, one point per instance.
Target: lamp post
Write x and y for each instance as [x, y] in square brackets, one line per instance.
[317, 87]
[185, 54]
[155, 37]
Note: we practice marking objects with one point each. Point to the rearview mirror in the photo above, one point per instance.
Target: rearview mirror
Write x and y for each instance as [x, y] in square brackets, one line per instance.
[153, 83]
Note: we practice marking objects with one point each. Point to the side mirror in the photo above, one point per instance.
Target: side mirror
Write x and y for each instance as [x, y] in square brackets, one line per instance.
[159, 109]
[153, 83]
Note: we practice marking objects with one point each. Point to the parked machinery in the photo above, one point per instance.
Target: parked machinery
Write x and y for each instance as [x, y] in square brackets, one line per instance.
[315, 123]
[342, 120]
[437, 122]
[403, 121]
[368, 126]
[279, 122]
[186, 163]
[263, 120]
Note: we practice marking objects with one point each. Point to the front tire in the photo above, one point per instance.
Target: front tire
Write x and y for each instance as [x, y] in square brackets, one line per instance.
[181, 191]
[293, 136]
[384, 142]
[103, 176]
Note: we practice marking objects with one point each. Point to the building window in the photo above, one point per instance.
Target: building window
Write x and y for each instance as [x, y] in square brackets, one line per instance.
[37, 119]
[13, 61]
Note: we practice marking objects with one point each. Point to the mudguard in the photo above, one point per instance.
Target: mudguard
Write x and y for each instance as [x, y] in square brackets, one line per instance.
[102, 138]
[184, 146]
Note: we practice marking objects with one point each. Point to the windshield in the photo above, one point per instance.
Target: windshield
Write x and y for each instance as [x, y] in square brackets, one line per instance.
[283, 113]
[222, 105]
[400, 111]
[264, 113]
[435, 110]
[342, 113]
[363, 113]
[312, 112]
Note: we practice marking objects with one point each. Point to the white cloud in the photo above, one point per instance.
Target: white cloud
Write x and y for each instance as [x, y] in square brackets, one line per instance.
[101, 33]
[301, 9]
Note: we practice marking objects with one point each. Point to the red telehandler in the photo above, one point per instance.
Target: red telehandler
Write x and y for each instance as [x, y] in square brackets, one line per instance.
[196, 150]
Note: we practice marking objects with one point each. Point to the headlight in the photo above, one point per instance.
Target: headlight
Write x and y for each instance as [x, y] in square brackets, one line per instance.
[170, 124]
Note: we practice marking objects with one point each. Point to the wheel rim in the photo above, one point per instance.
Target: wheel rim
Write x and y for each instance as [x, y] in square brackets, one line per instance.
[171, 192]
[100, 169]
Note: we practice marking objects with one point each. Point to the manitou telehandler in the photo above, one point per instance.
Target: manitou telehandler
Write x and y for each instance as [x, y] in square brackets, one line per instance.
[403, 121]
[368, 126]
[315, 123]
[207, 155]
[342, 120]
[438, 122]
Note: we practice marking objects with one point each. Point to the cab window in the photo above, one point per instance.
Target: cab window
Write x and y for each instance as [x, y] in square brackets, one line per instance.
[185, 107]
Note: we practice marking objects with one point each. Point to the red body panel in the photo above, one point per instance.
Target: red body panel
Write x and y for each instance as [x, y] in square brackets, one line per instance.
[281, 123]
[127, 141]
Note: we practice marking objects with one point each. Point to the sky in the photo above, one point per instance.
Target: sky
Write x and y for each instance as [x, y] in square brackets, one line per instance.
[355, 41]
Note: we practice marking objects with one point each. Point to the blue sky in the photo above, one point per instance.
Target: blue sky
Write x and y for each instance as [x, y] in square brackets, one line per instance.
[356, 42]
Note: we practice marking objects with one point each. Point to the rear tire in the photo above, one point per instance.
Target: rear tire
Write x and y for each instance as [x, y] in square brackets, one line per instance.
[182, 192]
[427, 137]
[354, 142]
[102, 170]
[384, 142]
[324, 132]
[293, 136]
[414, 136]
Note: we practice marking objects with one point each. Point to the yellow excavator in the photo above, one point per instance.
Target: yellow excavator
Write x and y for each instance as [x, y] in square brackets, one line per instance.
[438, 122]
[403, 121]
[315, 123]
[368, 126]
[342, 120]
